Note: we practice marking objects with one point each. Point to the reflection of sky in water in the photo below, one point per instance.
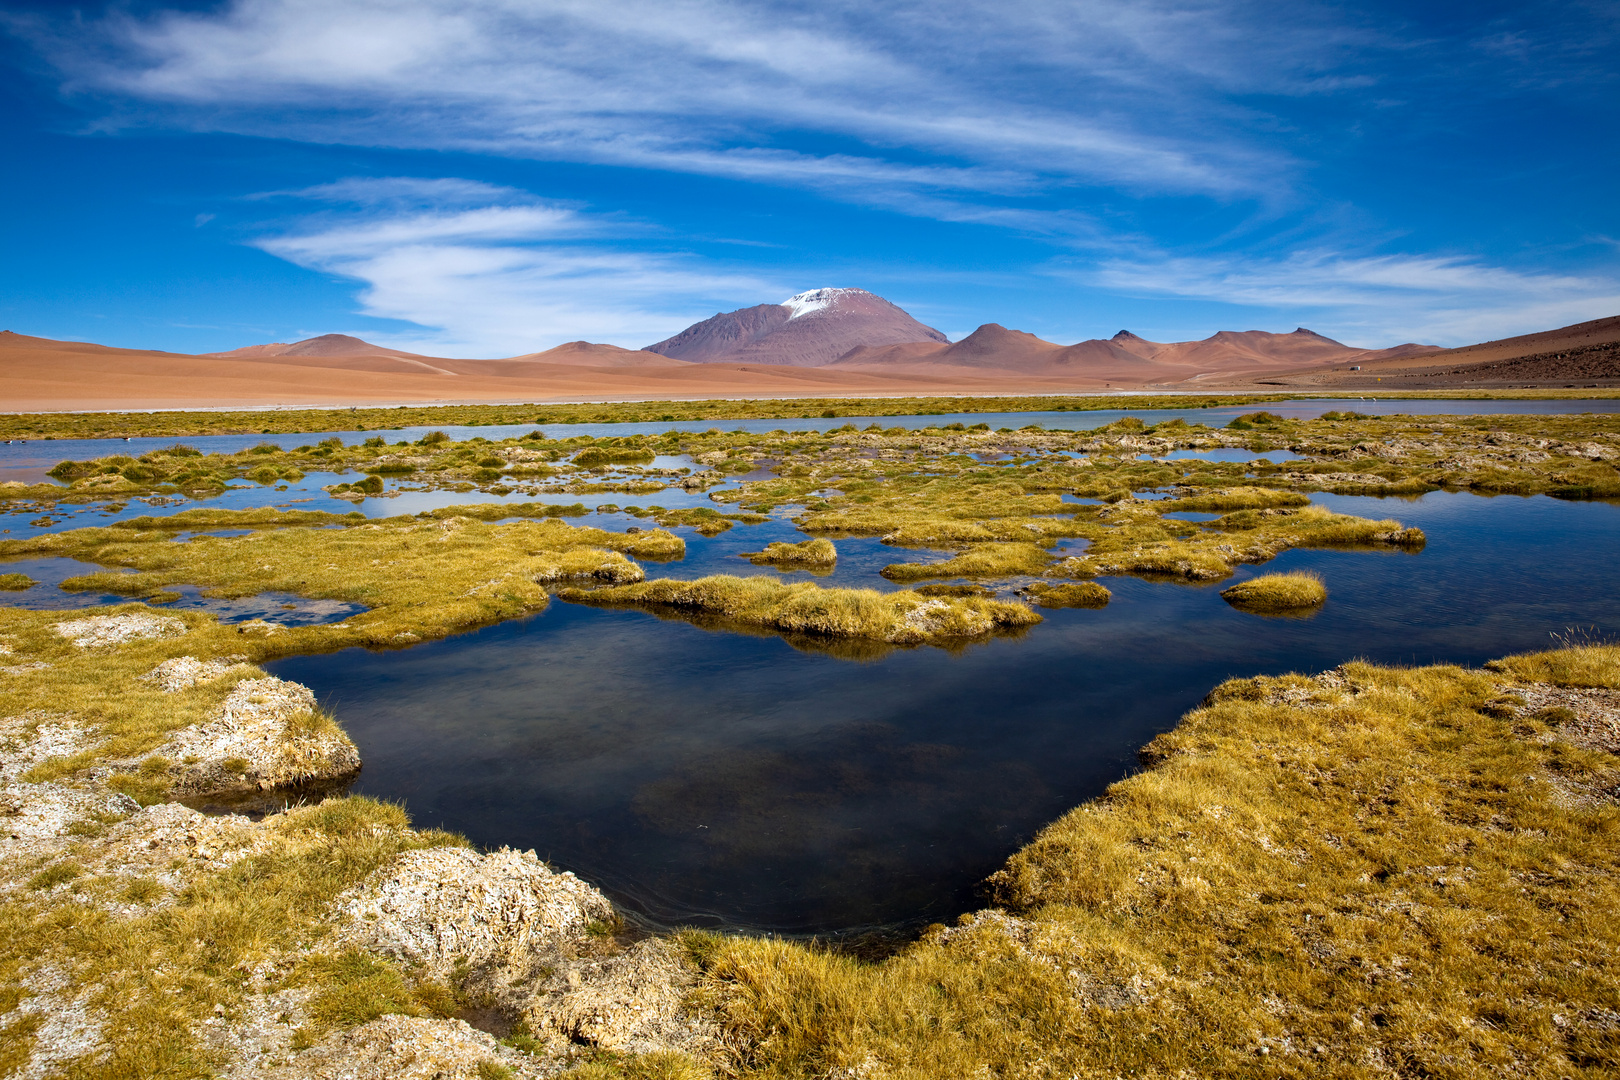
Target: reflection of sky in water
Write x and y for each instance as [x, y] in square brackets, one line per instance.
[402, 495]
[740, 779]
[43, 454]
[47, 595]
[733, 778]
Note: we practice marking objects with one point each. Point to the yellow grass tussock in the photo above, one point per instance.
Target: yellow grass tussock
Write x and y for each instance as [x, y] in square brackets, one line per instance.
[1278, 592]
[1362, 874]
[900, 618]
[819, 552]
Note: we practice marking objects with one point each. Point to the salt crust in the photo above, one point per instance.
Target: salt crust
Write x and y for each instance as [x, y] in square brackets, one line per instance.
[100, 630]
[408, 1048]
[435, 907]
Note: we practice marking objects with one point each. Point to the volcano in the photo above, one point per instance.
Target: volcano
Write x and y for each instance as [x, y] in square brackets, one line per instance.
[811, 329]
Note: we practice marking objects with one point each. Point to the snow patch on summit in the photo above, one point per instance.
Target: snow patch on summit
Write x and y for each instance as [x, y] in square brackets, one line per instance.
[814, 300]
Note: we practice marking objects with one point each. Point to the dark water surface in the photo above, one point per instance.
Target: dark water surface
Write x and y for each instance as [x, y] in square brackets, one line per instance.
[705, 776]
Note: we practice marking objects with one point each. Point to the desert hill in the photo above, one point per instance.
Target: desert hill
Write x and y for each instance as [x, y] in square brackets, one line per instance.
[324, 345]
[45, 375]
[591, 354]
[334, 369]
[1126, 357]
[1581, 355]
[808, 330]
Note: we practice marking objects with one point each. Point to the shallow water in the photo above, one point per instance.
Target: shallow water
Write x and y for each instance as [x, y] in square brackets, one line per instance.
[28, 461]
[400, 496]
[47, 594]
[706, 776]
[725, 778]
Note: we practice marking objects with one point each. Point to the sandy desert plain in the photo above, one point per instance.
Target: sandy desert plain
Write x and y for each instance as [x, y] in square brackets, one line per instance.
[600, 716]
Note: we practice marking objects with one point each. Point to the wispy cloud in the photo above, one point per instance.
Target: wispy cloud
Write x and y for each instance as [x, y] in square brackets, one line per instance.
[1113, 127]
[973, 96]
[1377, 300]
[500, 279]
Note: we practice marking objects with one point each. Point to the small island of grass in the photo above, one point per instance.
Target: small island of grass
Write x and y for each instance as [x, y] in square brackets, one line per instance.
[818, 553]
[1295, 591]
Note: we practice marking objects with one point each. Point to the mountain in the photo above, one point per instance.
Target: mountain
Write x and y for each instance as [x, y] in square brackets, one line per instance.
[1582, 355]
[991, 347]
[1126, 356]
[325, 345]
[811, 329]
[1597, 332]
[1248, 349]
[591, 354]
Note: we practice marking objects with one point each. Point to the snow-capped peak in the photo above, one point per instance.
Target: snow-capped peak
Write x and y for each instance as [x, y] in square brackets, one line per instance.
[814, 300]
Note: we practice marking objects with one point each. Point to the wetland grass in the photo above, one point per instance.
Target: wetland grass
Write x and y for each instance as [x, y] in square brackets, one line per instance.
[981, 560]
[1315, 876]
[1078, 594]
[819, 552]
[1370, 872]
[184, 424]
[16, 582]
[153, 971]
[419, 577]
[954, 590]
[1293, 591]
[899, 618]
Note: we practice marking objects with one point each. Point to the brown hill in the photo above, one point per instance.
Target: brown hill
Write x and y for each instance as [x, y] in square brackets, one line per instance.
[1596, 332]
[993, 347]
[324, 345]
[1250, 350]
[1583, 354]
[44, 375]
[808, 330]
[591, 354]
[1125, 357]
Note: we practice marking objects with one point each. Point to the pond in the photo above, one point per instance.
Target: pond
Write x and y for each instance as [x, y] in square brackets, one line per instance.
[28, 461]
[713, 777]
[710, 777]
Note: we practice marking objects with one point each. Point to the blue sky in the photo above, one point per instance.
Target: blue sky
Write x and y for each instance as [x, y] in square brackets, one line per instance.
[493, 177]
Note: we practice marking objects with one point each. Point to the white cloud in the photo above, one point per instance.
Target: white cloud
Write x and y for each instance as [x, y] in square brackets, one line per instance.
[973, 96]
[1377, 300]
[497, 280]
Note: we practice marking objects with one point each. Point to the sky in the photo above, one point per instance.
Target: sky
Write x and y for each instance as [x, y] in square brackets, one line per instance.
[485, 178]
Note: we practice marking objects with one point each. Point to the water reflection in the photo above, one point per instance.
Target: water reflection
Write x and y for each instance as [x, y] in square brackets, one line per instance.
[703, 775]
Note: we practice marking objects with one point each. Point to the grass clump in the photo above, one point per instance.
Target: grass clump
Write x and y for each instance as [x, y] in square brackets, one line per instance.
[1315, 877]
[56, 874]
[355, 986]
[1078, 594]
[597, 456]
[157, 975]
[428, 576]
[818, 552]
[663, 1065]
[1236, 498]
[1593, 665]
[1292, 591]
[16, 582]
[591, 563]
[981, 560]
[954, 590]
[902, 618]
